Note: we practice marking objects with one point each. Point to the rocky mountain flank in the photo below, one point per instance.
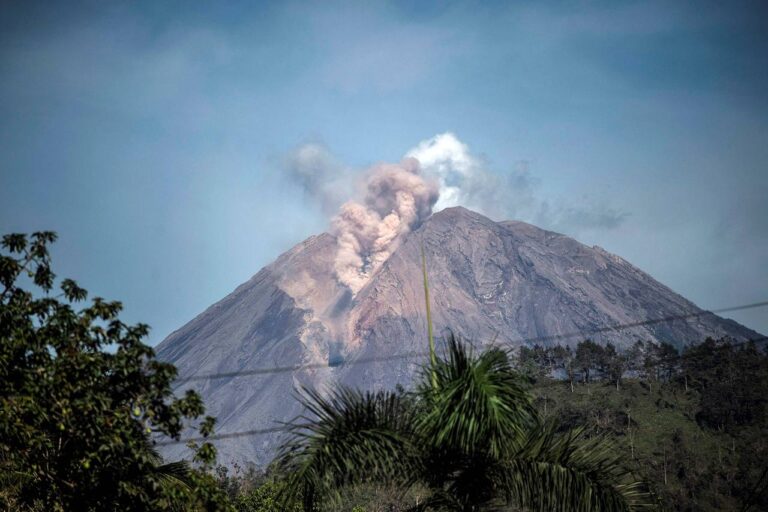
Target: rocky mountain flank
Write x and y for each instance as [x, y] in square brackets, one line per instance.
[509, 283]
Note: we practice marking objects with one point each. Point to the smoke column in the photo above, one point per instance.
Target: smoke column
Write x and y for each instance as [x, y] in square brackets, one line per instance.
[397, 199]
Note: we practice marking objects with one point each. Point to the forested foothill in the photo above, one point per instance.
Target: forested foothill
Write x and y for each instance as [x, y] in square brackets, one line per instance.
[692, 422]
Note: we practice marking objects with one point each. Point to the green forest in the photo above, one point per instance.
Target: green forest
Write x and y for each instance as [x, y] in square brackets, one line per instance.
[83, 401]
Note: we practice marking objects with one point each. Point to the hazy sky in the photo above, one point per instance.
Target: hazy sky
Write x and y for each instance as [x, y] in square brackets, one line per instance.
[163, 141]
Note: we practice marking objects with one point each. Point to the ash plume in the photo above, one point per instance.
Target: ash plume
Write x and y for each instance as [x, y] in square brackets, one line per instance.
[438, 173]
[321, 176]
[397, 199]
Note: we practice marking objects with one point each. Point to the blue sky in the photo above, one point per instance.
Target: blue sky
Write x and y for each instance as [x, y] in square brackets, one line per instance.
[158, 139]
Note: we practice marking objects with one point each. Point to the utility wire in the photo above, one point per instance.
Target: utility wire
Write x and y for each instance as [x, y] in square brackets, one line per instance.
[407, 355]
[216, 437]
[273, 430]
[652, 321]
[414, 354]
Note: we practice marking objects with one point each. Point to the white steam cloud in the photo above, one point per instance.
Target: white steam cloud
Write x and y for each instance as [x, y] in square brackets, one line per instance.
[397, 199]
[447, 158]
[465, 180]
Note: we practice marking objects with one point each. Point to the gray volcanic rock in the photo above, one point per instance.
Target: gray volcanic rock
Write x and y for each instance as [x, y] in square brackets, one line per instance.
[508, 283]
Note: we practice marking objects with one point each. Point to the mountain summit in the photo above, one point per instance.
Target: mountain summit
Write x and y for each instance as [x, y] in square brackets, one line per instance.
[509, 283]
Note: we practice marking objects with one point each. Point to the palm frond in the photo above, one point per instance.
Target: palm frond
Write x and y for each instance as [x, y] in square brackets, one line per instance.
[349, 437]
[480, 404]
[174, 473]
[569, 472]
[171, 473]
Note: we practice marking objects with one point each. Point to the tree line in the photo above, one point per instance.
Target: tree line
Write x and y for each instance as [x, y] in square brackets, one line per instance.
[707, 365]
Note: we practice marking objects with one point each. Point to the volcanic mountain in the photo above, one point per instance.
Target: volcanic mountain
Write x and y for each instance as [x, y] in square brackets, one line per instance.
[508, 283]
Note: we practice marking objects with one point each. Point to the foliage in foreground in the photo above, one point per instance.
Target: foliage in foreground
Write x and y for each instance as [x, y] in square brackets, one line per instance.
[469, 434]
[81, 397]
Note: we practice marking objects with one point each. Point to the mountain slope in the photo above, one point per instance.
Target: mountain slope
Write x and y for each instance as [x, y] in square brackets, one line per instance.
[506, 282]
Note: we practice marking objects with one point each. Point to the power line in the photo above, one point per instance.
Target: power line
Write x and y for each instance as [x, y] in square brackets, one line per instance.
[407, 355]
[297, 367]
[273, 430]
[653, 321]
[414, 354]
[217, 437]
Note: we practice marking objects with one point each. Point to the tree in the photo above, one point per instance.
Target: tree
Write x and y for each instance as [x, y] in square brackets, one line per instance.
[668, 360]
[265, 498]
[473, 439]
[634, 358]
[543, 358]
[564, 358]
[731, 380]
[650, 362]
[532, 363]
[614, 364]
[588, 356]
[81, 398]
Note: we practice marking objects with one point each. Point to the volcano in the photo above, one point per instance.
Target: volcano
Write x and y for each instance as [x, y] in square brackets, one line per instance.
[508, 283]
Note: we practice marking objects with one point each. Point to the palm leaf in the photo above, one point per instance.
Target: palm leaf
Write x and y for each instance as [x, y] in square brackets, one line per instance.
[479, 405]
[568, 472]
[348, 438]
[171, 473]
[169, 476]
[174, 473]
